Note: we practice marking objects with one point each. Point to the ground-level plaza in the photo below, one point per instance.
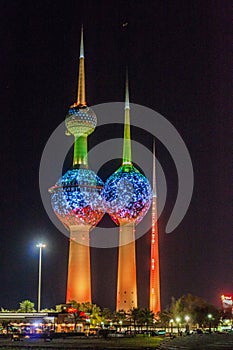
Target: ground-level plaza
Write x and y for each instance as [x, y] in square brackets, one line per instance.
[192, 342]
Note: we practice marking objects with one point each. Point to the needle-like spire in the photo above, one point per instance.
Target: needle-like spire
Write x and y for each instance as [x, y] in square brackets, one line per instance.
[81, 95]
[127, 139]
[154, 171]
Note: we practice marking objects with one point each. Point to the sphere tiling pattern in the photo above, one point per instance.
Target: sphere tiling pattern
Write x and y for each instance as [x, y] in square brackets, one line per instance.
[80, 120]
[127, 195]
[77, 198]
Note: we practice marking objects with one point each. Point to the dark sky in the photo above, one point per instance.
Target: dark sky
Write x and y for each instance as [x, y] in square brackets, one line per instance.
[179, 56]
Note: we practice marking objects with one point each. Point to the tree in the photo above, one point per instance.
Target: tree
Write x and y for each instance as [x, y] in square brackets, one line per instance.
[164, 317]
[134, 314]
[78, 315]
[26, 306]
[87, 309]
[106, 315]
[93, 311]
[146, 317]
[119, 316]
[194, 307]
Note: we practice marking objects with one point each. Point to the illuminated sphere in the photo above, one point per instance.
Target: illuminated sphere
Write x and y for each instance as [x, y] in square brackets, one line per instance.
[127, 195]
[80, 120]
[77, 198]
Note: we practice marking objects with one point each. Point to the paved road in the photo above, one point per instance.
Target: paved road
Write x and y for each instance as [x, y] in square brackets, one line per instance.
[199, 342]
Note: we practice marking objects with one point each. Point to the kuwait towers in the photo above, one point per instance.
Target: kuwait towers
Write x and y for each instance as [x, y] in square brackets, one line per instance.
[127, 194]
[154, 264]
[80, 198]
[76, 197]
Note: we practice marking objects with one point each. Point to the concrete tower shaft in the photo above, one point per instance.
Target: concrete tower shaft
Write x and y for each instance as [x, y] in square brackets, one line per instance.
[126, 276]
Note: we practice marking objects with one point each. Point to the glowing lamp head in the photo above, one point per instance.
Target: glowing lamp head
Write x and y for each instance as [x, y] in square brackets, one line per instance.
[80, 120]
[77, 198]
[127, 195]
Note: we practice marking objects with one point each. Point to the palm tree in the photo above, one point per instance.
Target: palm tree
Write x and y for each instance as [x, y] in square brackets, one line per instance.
[119, 317]
[134, 314]
[146, 317]
[106, 315]
[93, 311]
[78, 314]
[26, 306]
[95, 315]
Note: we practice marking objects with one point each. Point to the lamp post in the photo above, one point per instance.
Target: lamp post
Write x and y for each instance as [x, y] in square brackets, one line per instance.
[210, 318]
[171, 324]
[187, 318]
[178, 324]
[40, 246]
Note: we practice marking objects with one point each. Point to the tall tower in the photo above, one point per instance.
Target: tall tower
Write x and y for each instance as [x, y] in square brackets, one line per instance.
[76, 197]
[154, 262]
[127, 195]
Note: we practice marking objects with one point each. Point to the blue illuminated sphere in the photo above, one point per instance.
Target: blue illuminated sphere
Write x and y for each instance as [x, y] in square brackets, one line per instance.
[77, 198]
[80, 120]
[127, 195]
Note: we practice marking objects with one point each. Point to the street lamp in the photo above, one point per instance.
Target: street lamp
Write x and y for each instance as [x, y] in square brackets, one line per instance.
[171, 323]
[40, 246]
[178, 324]
[210, 318]
[187, 318]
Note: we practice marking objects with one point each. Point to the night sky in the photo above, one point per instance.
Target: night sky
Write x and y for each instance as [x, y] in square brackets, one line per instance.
[179, 58]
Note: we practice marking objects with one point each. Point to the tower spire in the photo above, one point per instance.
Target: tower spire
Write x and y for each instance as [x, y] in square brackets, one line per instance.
[154, 172]
[81, 95]
[127, 138]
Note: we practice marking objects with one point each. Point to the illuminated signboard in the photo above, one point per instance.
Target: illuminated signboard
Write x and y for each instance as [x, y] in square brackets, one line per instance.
[227, 301]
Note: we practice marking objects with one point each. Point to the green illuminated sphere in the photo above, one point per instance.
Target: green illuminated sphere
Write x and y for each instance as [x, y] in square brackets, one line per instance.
[80, 120]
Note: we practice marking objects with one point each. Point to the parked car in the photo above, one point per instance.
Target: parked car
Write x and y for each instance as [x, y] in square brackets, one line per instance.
[160, 332]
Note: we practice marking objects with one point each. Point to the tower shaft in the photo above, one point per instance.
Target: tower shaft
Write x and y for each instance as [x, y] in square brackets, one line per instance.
[154, 263]
[79, 270]
[80, 151]
[126, 277]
